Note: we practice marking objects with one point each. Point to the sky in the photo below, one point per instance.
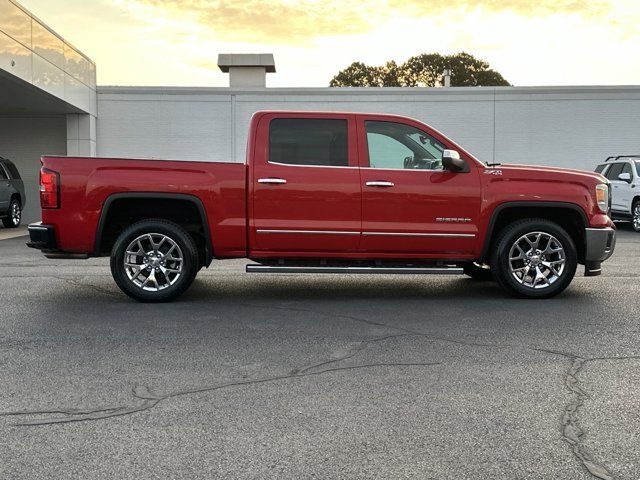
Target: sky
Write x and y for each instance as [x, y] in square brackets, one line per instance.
[176, 42]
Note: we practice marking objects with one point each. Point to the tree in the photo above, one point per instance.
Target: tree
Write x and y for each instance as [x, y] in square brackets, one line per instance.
[421, 71]
[361, 75]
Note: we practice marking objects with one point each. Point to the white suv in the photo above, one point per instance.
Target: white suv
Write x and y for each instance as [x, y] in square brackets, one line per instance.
[623, 172]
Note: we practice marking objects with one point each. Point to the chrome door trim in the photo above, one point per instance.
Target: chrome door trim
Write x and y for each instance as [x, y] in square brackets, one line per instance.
[310, 166]
[274, 181]
[307, 232]
[416, 234]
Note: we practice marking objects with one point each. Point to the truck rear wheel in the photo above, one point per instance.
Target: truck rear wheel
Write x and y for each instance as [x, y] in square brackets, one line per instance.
[534, 258]
[154, 261]
[635, 216]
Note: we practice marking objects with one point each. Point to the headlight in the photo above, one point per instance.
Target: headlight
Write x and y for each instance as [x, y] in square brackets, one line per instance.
[602, 197]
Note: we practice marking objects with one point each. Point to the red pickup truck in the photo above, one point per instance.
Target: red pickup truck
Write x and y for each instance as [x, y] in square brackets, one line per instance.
[327, 192]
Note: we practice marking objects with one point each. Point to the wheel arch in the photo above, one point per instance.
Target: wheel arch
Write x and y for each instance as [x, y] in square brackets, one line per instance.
[103, 236]
[575, 222]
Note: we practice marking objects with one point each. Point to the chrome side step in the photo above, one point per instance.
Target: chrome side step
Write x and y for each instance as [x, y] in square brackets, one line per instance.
[362, 270]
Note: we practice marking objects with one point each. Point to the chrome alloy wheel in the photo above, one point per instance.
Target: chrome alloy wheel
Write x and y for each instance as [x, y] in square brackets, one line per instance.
[636, 217]
[153, 262]
[537, 260]
[16, 214]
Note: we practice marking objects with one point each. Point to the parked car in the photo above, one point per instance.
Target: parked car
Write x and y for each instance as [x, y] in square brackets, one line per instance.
[328, 192]
[624, 174]
[12, 197]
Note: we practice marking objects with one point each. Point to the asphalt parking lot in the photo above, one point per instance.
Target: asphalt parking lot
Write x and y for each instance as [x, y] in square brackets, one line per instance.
[263, 376]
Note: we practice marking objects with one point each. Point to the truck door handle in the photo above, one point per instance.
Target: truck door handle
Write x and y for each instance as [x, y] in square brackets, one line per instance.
[274, 181]
[380, 183]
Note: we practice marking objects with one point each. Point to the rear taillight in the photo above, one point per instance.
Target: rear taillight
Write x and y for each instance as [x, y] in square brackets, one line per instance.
[49, 188]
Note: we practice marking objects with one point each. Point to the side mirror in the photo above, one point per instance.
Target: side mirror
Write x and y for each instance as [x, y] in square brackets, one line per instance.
[452, 162]
[625, 177]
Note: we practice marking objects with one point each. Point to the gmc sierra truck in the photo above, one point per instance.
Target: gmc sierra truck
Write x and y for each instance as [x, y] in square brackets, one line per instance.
[326, 192]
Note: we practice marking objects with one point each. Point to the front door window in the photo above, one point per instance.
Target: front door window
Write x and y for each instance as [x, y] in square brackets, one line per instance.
[403, 147]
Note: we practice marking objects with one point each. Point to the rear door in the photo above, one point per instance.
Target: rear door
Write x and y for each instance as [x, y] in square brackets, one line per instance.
[5, 190]
[409, 203]
[305, 185]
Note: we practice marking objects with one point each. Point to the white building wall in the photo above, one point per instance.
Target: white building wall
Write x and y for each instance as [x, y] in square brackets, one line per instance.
[181, 124]
[23, 139]
[564, 126]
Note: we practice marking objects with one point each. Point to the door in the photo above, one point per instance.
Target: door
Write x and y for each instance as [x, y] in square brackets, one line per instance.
[626, 187]
[5, 190]
[620, 189]
[305, 185]
[409, 203]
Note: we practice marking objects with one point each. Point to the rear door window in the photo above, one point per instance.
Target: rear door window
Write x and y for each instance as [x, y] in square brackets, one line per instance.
[309, 141]
[13, 171]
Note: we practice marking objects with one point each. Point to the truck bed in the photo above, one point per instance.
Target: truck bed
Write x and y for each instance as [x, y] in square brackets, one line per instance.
[89, 182]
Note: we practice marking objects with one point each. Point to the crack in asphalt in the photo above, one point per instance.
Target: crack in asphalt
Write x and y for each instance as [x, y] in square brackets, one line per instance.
[570, 429]
[76, 283]
[150, 400]
[406, 331]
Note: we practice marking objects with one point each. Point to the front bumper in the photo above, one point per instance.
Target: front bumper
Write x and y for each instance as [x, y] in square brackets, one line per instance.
[599, 246]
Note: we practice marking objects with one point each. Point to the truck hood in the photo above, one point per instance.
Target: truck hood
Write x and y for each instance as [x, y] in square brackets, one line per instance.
[551, 173]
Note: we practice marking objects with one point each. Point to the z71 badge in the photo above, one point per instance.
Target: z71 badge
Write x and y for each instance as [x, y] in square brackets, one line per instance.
[493, 172]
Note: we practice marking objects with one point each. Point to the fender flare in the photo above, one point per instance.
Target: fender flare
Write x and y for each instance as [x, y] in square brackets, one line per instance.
[208, 244]
[503, 206]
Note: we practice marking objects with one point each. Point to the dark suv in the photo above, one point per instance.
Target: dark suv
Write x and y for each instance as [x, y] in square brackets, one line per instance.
[12, 199]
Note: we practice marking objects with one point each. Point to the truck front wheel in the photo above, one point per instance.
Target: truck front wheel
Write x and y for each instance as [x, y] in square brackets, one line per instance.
[534, 258]
[154, 261]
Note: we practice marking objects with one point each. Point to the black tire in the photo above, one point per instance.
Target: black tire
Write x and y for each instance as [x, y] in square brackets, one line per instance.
[635, 216]
[501, 265]
[14, 217]
[478, 272]
[174, 235]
